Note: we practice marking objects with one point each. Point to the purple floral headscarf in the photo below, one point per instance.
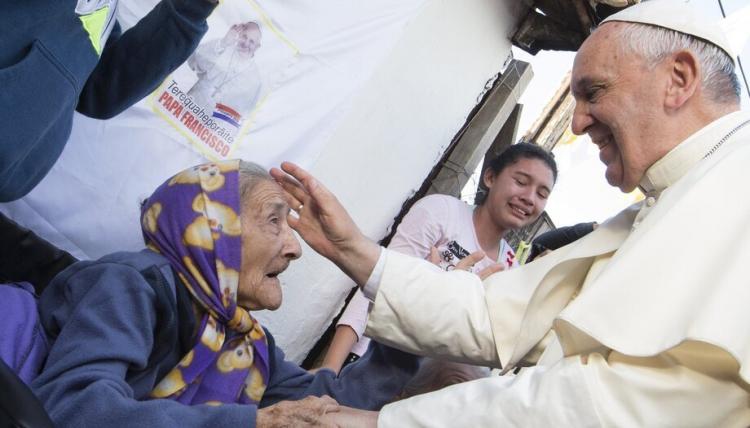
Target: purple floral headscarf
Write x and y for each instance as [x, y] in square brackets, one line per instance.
[193, 220]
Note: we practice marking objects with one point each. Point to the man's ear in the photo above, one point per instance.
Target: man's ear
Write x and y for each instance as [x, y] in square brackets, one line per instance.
[684, 79]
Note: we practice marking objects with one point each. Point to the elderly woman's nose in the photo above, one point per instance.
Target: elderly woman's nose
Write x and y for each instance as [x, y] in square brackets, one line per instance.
[292, 248]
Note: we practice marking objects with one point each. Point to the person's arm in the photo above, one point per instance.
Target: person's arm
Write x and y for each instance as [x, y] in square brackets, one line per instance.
[451, 306]
[135, 63]
[349, 331]
[417, 234]
[578, 392]
[340, 348]
[24, 256]
[199, 61]
[103, 320]
[368, 383]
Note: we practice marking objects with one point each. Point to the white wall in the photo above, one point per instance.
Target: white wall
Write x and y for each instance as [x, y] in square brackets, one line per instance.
[401, 122]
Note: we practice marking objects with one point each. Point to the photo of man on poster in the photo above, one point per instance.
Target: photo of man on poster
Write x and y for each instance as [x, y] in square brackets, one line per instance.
[229, 83]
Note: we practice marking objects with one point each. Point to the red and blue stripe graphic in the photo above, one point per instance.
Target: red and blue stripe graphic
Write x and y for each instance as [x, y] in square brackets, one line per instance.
[227, 114]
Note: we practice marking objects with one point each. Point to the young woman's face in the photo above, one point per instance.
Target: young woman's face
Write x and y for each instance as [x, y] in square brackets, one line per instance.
[518, 194]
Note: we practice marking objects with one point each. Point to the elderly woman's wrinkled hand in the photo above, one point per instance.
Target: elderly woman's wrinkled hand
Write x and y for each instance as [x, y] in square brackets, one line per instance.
[324, 223]
[308, 412]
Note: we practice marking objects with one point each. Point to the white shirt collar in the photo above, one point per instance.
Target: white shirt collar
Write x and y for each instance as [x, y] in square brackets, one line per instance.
[670, 168]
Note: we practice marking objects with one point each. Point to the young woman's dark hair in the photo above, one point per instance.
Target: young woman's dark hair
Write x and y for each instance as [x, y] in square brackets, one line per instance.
[513, 154]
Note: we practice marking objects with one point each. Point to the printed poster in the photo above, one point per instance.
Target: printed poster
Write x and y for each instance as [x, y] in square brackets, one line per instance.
[212, 99]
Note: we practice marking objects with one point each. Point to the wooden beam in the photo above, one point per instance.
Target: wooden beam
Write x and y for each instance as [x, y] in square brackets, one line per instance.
[505, 138]
[555, 119]
[463, 156]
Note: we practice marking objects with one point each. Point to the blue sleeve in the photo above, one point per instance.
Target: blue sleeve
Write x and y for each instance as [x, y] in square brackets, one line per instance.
[102, 318]
[369, 383]
[135, 63]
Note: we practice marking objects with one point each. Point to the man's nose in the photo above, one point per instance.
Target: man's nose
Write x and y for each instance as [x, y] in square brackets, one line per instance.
[581, 119]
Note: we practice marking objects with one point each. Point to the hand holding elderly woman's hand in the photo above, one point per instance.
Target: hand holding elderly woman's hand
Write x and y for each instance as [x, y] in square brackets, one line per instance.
[308, 412]
[324, 223]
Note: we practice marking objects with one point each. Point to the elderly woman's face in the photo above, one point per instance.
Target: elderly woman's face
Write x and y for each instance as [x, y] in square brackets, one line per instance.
[268, 246]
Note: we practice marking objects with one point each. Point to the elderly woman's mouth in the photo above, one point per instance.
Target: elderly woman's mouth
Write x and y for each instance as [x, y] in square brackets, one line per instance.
[276, 272]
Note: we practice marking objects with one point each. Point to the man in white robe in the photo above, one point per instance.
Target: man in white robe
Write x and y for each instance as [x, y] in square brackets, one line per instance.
[643, 322]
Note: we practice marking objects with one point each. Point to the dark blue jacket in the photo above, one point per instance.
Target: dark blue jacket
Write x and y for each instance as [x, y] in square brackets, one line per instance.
[114, 332]
[49, 68]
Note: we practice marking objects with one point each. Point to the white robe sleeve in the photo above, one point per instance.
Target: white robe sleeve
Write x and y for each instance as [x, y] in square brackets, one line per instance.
[444, 315]
[440, 314]
[618, 392]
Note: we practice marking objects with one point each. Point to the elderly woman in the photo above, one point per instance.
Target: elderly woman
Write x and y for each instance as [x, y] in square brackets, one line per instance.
[163, 337]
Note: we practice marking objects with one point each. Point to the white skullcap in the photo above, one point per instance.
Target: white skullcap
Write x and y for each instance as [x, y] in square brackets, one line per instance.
[675, 15]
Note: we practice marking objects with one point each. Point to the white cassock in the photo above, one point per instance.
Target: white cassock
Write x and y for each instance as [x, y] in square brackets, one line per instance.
[645, 322]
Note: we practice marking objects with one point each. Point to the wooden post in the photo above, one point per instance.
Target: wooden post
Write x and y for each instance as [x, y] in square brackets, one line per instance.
[462, 157]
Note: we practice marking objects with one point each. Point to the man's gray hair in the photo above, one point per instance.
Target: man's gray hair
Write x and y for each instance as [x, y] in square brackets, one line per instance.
[653, 43]
[251, 174]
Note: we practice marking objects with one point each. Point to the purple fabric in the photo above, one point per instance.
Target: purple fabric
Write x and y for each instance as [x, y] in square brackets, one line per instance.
[23, 345]
[193, 220]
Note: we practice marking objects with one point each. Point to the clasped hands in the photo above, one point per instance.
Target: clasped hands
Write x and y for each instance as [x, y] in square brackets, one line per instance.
[322, 412]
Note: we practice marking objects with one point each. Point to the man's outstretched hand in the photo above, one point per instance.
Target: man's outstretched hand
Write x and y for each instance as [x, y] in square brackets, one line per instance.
[324, 223]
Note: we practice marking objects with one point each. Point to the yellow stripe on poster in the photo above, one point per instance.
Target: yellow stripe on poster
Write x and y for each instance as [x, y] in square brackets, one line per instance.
[94, 23]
